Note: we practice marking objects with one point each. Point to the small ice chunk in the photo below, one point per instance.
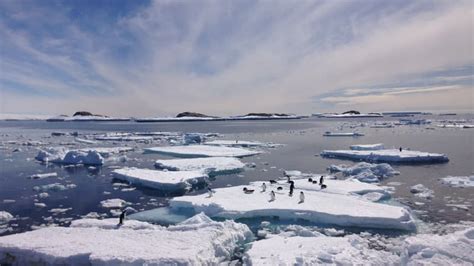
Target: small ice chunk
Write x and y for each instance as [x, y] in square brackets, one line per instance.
[421, 191]
[45, 175]
[113, 203]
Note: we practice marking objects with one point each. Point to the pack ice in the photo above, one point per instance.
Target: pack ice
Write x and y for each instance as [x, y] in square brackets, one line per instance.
[365, 172]
[196, 241]
[87, 156]
[390, 155]
[318, 207]
[193, 151]
[238, 143]
[212, 165]
[162, 180]
[458, 181]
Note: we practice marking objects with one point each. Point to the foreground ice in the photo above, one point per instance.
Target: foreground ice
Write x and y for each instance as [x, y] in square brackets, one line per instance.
[162, 180]
[212, 165]
[196, 241]
[367, 147]
[365, 172]
[318, 207]
[458, 181]
[192, 151]
[391, 155]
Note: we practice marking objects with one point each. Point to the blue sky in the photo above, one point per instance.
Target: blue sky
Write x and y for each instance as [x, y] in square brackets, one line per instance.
[230, 57]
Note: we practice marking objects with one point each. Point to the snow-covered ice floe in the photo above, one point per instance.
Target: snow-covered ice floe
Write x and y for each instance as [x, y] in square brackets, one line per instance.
[162, 180]
[211, 165]
[391, 155]
[458, 181]
[193, 151]
[342, 134]
[239, 143]
[367, 147]
[87, 156]
[365, 172]
[318, 207]
[196, 241]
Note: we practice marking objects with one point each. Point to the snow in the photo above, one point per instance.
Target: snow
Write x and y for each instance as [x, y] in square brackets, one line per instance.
[390, 155]
[163, 180]
[319, 250]
[197, 241]
[365, 172]
[5, 216]
[342, 134]
[421, 191]
[192, 151]
[238, 143]
[113, 203]
[318, 207]
[64, 156]
[367, 147]
[458, 181]
[212, 165]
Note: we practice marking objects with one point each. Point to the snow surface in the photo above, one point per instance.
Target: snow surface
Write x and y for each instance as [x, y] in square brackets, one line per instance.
[192, 151]
[365, 172]
[458, 181]
[212, 165]
[318, 207]
[391, 155]
[163, 180]
[196, 241]
[367, 147]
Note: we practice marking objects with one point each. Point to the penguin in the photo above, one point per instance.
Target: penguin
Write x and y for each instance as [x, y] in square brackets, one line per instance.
[210, 192]
[288, 180]
[292, 187]
[122, 217]
[301, 197]
[323, 186]
[279, 188]
[321, 180]
[264, 187]
[272, 196]
[310, 180]
[400, 149]
[315, 181]
[272, 181]
[248, 191]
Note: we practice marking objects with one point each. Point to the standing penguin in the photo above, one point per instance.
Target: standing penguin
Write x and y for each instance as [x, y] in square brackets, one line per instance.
[321, 180]
[272, 196]
[292, 187]
[210, 192]
[301, 197]
[264, 187]
[122, 217]
[401, 149]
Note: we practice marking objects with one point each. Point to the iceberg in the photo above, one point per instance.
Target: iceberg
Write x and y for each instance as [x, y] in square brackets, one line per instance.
[238, 143]
[162, 180]
[196, 241]
[193, 151]
[211, 165]
[318, 207]
[458, 181]
[63, 156]
[367, 147]
[392, 155]
[365, 172]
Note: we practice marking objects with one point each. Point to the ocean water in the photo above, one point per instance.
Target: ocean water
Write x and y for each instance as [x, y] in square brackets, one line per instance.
[302, 141]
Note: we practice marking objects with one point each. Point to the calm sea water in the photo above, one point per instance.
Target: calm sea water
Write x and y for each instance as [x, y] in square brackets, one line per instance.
[302, 139]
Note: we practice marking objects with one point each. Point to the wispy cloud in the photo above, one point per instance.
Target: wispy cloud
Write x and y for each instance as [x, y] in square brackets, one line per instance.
[227, 57]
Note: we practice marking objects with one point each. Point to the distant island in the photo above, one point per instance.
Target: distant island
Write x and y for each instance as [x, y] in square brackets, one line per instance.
[349, 114]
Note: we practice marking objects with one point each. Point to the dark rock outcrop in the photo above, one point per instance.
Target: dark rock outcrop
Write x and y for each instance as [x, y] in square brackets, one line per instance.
[352, 112]
[192, 114]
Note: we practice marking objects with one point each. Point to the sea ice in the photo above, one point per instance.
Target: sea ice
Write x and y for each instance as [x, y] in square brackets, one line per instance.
[53, 187]
[342, 134]
[45, 175]
[196, 241]
[5, 216]
[318, 207]
[367, 147]
[63, 156]
[393, 155]
[238, 143]
[192, 151]
[163, 180]
[365, 172]
[421, 191]
[113, 203]
[211, 165]
[458, 181]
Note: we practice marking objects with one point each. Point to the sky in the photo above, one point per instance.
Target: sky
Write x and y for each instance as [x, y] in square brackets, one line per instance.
[218, 57]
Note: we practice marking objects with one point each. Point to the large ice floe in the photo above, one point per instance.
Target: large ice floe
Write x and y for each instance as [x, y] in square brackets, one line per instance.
[196, 241]
[342, 134]
[458, 181]
[367, 147]
[317, 207]
[211, 165]
[162, 180]
[238, 143]
[391, 155]
[365, 172]
[87, 156]
[193, 151]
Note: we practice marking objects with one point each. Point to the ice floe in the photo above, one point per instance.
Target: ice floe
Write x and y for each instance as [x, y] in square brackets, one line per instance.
[64, 156]
[45, 175]
[318, 207]
[342, 134]
[239, 143]
[390, 155]
[113, 203]
[5, 216]
[53, 187]
[365, 172]
[421, 191]
[192, 151]
[458, 181]
[162, 180]
[367, 147]
[211, 165]
[196, 241]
